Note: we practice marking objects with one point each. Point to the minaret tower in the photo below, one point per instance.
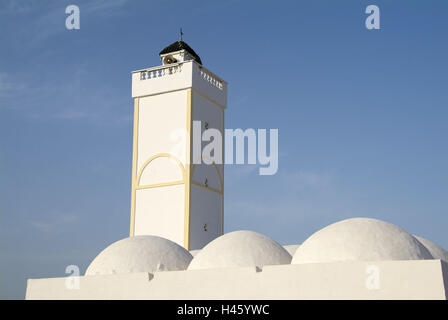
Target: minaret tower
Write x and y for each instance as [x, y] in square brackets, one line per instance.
[173, 195]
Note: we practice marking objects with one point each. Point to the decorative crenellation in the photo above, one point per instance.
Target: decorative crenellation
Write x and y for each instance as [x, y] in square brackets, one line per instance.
[211, 78]
[159, 72]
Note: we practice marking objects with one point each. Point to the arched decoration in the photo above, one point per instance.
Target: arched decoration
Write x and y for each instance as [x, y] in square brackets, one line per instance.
[202, 184]
[160, 160]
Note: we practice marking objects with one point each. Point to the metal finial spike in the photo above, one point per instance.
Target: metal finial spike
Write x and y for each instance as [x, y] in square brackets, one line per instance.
[181, 34]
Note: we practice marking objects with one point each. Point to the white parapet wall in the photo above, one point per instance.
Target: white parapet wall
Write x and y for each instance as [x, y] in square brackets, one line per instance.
[178, 76]
[413, 279]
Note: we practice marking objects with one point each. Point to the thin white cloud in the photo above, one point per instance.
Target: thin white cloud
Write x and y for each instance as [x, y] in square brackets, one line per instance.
[104, 6]
[234, 173]
[54, 99]
[8, 88]
[55, 223]
[17, 7]
[292, 197]
[47, 19]
[305, 180]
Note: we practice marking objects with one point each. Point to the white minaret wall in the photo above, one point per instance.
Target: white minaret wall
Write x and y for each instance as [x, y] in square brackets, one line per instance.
[170, 195]
[205, 201]
[159, 210]
[206, 208]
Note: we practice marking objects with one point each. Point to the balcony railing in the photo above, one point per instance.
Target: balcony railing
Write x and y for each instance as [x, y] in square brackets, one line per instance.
[172, 69]
[159, 72]
[212, 79]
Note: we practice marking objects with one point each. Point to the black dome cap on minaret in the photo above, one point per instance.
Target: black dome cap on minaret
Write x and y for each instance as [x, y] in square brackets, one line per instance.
[180, 45]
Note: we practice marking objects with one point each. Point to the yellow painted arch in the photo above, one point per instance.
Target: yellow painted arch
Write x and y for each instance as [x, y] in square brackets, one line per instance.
[161, 155]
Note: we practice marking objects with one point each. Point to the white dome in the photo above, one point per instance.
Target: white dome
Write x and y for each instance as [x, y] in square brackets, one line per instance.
[360, 239]
[242, 249]
[140, 254]
[292, 248]
[436, 251]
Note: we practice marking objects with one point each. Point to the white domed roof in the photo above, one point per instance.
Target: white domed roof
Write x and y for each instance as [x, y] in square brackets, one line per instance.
[240, 248]
[436, 251]
[292, 248]
[360, 239]
[140, 254]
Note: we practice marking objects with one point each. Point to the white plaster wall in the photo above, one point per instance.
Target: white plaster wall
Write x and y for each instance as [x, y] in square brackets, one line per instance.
[198, 82]
[413, 279]
[161, 170]
[160, 212]
[206, 207]
[160, 117]
[206, 111]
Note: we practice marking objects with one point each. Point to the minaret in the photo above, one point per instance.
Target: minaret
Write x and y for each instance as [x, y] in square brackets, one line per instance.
[172, 196]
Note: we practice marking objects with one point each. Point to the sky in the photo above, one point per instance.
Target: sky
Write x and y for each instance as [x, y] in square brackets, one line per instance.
[362, 118]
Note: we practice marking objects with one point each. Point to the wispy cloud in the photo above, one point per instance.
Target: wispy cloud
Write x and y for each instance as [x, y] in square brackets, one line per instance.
[104, 6]
[71, 115]
[54, 99]
[290, 188]
[54, 223]
[67, 94]
[294, 201]
[8, 88]
[236, 173]
[47, 19]
[306, 180]
[17, 7]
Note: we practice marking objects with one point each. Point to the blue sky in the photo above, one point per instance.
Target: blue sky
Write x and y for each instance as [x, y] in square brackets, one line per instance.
[362, 118]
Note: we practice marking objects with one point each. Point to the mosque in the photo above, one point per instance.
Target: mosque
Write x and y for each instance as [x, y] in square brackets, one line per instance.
[177, 248]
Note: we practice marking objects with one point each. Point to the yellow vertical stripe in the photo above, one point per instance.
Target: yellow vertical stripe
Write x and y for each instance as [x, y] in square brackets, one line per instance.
[134, 167]
[188, 172]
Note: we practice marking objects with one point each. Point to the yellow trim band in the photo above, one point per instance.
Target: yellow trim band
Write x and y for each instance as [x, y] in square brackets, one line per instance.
[163, 184]
[134, 166]
[206, 187]
[187, 176]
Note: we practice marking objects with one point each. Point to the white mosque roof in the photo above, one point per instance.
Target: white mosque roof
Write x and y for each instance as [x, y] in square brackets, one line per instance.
[331, 264]
[140, 254]
[356, 239]
[240, 249]
[292, 248]
[436, 251]
[360, 239]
